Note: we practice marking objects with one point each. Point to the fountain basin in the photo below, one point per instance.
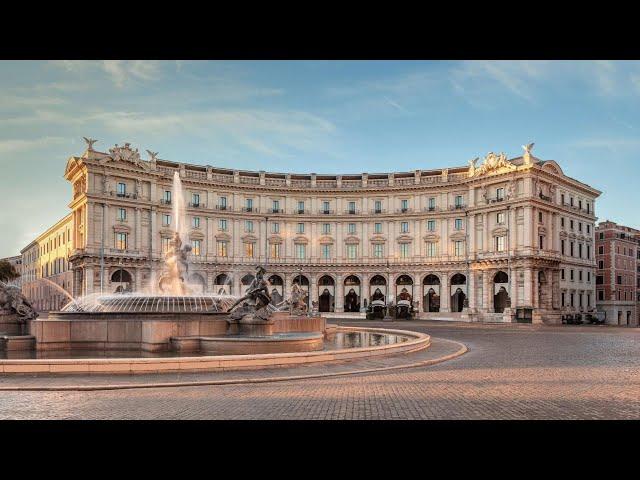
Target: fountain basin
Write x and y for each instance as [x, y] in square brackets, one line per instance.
[243, 345]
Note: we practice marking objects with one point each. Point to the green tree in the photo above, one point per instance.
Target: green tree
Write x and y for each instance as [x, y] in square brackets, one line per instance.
[7, 271]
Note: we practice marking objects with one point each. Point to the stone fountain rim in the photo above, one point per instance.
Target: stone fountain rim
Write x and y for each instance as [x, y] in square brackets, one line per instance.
[418, 341]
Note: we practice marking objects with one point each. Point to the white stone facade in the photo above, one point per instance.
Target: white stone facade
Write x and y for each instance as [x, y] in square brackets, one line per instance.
[493, 232]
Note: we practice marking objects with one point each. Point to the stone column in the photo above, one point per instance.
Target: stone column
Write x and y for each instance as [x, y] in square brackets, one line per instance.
[487, 291]
[313, 286]
[513, 231]
[88, 280]
[486, 244]
[445, 294]
[154, 232]
[138, 229]
[237, 287]
[471, 280]
[211, 275]
[528, 300]
[138, 280]
[339, 298]
[513, 287]
[536, 289]
[528, 226]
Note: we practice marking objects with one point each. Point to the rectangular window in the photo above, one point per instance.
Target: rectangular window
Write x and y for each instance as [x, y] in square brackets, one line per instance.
[404, 227]
[164, 243]
[431, 225]
[579, 226]
[352, 250]
[166, 219]
[459, 201]
[249, 204]
[166, 198]
[121, 241]
[501, 242]
[248, 226]
[458, 248]
[601, 250]
[500, 193]
[619, 280]
[195, 199]
[301, 250]
[122, 189]
[540, 217]
[326, 228]
[432, 203]
[222, 203]
[326, 251]
[275, 227]
[378, 250]
[404, 205]
[378, 206]
[562, 299]
[541, 242]
[571, 248]
[122, 214]
[571, 276]
[300, 207]
[432, 249]
[352, 208]
[579, 250]
[196, 247]
[352, 228]
[221, 248]
[378, 228]
[325, 207]
[600, 264]
[571, 224]
[300, 228]
[404, 250]
[195, 222]
[275, 250]
[458, 224]
[222, 224]
[562, 274]
[579, 275]
[562, 222]
[249, 249]
[500, 217]
[600, 294]
[275, 206]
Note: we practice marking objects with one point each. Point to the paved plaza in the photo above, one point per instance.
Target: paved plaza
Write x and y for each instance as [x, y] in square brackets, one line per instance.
[509, 372]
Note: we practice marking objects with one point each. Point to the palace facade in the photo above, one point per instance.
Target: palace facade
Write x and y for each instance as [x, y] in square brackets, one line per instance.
[482, 242]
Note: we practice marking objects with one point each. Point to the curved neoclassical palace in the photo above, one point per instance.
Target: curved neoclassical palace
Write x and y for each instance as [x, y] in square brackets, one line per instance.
[499, 237]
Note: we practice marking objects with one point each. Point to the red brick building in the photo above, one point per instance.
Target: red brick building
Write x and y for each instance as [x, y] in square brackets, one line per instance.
[617, 274]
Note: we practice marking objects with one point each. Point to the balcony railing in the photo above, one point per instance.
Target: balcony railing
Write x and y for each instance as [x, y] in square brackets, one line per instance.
[430, 209]
[378, 211]
[404, 210]
[275, 210]
[165, 201]
[457, 207]
[351, 212]
[223, 207]
[325, 212]
[250, 209]
[197, 205]
[496, 199]
[301, 211]
[123, 195]
[544, 197]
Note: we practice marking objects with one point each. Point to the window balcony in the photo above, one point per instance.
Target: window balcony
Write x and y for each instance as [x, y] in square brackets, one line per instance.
[223, 207]
[197, 205]
[495, 200]
[544, 197]
[275, 210]
[430, 209]
[325, 212]
[301, 211]
[457, 207]
[378, 211]
[123, 195]
[351, 212]
[164, 201]
[404, 210]
[250, 209]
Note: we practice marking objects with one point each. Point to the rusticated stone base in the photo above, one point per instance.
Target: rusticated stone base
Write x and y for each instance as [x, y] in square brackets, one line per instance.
[14, 343]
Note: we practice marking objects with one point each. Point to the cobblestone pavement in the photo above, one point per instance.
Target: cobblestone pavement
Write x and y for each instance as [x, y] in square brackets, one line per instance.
[510, 372]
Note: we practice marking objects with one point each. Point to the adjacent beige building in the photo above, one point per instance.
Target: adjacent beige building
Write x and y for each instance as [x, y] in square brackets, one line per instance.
[473, 242]
[46, 271]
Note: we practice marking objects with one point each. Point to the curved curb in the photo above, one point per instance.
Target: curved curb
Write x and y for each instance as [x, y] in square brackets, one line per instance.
[425, 363]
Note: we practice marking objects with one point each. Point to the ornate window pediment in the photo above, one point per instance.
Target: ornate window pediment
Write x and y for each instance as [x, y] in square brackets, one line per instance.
[223, 236]
[542, 230]
[275, 239]
[300, 239]
[249, 238]
[457, 236]
[326, 240]
[166, 232]
[431, 237]
[499, 231]
[404, 239]
[120, 227]
[196, 235]
[378, 239]
[351, 240]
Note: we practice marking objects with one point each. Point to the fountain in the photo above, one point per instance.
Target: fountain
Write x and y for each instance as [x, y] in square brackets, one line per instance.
[198, 331]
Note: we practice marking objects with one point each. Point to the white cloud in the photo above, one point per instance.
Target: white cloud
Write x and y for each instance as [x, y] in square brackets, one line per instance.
[17, 145]
[120, 72]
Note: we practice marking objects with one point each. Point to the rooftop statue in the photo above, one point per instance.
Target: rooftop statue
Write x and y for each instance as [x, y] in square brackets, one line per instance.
[90, 142]
[527, 153]
[12, 301]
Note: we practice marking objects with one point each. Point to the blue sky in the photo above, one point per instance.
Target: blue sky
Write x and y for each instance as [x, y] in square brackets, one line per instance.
[314, 116]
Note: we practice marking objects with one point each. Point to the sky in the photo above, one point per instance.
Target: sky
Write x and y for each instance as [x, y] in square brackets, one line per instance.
[314, 116]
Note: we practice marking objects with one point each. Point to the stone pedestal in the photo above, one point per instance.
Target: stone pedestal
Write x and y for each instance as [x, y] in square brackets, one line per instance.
[11, 325]
[508, 315]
